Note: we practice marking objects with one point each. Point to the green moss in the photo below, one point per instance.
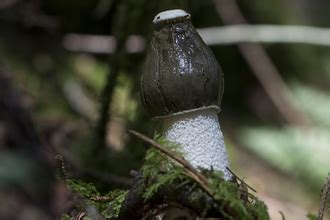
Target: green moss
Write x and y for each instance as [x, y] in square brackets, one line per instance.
[231, 199]
[116, 198]
[108, 205]
[159, 171]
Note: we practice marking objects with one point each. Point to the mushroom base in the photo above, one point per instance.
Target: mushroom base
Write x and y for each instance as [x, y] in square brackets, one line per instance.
[200, 136]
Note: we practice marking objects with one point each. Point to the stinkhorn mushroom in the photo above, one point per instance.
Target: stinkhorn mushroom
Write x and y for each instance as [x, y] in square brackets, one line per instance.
[182, 84]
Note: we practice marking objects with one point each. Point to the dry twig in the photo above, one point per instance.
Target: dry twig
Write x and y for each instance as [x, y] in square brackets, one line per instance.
[241, 180]
[115, 65]
[265, 33]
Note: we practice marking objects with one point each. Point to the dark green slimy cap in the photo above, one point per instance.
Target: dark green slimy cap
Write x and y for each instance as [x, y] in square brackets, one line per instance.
[180, 72]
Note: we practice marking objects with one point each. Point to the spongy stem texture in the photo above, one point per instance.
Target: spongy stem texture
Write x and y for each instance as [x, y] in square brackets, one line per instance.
[200, 137]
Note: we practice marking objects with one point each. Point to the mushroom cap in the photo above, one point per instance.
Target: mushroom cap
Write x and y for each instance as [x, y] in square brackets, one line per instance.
[180, 72]
[170, 15]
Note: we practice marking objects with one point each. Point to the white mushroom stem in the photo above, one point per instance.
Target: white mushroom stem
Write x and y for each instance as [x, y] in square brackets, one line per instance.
[199, 134]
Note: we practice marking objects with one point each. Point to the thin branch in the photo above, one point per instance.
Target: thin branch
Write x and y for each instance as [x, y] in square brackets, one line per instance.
[115, 66]
[192, 172]
[262, 66]
[241, 180]
[99, 44]
[106, 100]
[239, 33]
[102, 198]
[229, 34]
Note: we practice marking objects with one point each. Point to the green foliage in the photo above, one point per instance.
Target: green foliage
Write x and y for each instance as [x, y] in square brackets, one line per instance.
[155, 162]
[87, 190]
[258, 209]
[116, 198]
[311, 216]
[166, 178]
[66, 217]
[226, 192]
[159, 171]
[108, 205]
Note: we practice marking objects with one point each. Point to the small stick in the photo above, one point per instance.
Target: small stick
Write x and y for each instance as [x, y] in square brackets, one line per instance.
[242, 181]
[101, 198]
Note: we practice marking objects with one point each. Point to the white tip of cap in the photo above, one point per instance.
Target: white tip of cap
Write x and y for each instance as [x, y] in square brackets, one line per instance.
[170, 14]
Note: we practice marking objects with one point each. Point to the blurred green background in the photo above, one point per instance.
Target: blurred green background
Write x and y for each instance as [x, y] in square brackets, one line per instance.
[64, 81]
